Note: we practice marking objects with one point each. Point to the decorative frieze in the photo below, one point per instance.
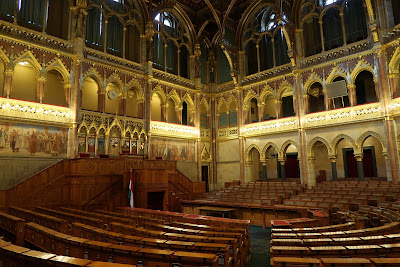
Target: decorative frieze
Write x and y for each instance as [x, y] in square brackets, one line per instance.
[344, 115]
[272, 126]
[20, 110]
[165, 76]
[173, 130]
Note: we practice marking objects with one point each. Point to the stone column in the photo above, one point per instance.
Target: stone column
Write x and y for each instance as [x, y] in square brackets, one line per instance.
[198, 128]
[360, 167]
[164, 112]
[40, 80]
[101, 101]
[8, 81]
[394, 79]
[147, 113]
[278, 109]
[352, 94]
[387, 166]
[75, 107]
[214, 142]
[67, 92]
[261, 112]
[327, 103]
[122, 106]
[240, 123]
[106, 143]
[312, 176]
[334, 169]
[306, 103]
[246, 111]
[140, 109]
[389, 123]
[264, 169]
[377, 92]
[283, 171]
[178, 111]
[249, 171]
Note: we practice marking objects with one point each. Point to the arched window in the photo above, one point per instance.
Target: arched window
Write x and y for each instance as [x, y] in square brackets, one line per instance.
[172, 116]
[224, 69]
[58, 19]
[184, 113]
[24, 82]
[132, 43]
[156, 108]
[31, 13]
[7, 9]
[170, 37]
[89, 94]
[340, 102]
[115, 31]
[287, 106]
[253, 116]
[365, 88]
[131, 104]
[54, 89]
[393, 12]
[112, 99]
[202, 59]
[265, 44]
[337, 28]
[2, 68]
[316, 98]
[232, 114]
[269, 108]
[94, 27]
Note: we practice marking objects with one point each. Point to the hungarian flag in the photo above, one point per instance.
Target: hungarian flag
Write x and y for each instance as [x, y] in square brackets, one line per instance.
[130, 194]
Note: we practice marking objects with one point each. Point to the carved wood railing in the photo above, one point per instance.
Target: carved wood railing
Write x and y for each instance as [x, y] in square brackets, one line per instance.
[35, 183]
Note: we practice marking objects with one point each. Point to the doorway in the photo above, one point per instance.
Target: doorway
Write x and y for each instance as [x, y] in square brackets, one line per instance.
[369, 163]
[204, 175]
[292, 166]
[155, 200]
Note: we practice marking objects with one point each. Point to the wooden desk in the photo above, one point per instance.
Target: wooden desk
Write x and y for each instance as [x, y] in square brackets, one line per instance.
[345, 261]
[216, 211]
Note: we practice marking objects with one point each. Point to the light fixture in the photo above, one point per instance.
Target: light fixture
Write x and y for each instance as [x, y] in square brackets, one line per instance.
[23, 63]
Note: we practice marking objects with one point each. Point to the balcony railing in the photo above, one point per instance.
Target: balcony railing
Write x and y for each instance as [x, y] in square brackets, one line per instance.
[32, 111]
[344, 115]
[271, 126]
[173, 130]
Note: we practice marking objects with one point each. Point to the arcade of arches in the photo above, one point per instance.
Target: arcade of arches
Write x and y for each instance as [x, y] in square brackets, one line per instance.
[303, 89]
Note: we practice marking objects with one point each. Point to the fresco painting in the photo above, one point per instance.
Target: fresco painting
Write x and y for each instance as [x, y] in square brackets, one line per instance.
[172, 149]
[20, 140]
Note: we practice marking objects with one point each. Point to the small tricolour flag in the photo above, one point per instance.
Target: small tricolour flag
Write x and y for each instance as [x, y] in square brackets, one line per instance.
[130, 194]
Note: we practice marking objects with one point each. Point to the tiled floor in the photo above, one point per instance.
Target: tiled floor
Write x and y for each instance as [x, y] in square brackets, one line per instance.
[260, 244]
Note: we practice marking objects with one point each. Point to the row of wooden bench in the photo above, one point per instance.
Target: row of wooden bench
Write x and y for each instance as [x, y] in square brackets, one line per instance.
[18, 256]
[62, 244]
[333, 262]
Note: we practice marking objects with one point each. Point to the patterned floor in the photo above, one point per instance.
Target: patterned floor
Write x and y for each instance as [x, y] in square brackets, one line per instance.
[260, 244]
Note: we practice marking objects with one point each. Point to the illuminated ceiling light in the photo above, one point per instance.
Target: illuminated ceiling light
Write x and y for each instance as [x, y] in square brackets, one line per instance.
[23, 63]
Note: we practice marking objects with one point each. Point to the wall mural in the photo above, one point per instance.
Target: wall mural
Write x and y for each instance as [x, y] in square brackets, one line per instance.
[19, 139]
[172, 149]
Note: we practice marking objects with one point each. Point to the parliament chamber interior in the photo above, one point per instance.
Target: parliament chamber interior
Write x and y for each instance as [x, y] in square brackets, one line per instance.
[192, 133]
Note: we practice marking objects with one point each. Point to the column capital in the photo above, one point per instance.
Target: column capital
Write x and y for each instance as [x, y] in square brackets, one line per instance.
[249, 162]
[358, 156]
[333, 158]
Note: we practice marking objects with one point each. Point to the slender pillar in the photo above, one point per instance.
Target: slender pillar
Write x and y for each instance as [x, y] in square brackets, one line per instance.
[377, 92]
[352, 94]
[122, 106]
[389, 123]
[360, 167]
[40, 88]
[240, 123]
[8, 81]
[343, 29]
[197, 125]
[214, 142]
[321, 29]
[306, 104]
[264, 169]
[334, 168]
[249, 171]
[164, 112]
[101, 101]
[179, 114]
[140, 109]
[312, 176]
[387, 165]
[394, 79]
[278, 108]
[261, 112]
[67, 93]
[283, 171]
[147, 114]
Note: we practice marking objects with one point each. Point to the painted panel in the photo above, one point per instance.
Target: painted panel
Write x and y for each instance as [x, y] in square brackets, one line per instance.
[172, 149]
[21, 140]
[223, 120]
